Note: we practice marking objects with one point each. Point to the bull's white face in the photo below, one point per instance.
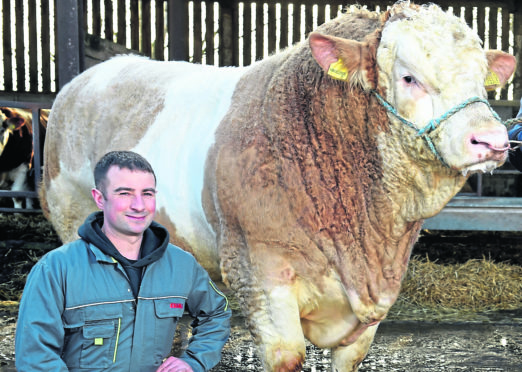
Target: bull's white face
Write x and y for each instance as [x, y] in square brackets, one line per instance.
[424, 78]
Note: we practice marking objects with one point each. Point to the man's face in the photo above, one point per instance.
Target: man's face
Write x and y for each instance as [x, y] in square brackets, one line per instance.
[129, 204]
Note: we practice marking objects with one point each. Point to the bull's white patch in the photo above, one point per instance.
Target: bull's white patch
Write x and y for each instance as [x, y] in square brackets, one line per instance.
[338, 70]
[178, 141]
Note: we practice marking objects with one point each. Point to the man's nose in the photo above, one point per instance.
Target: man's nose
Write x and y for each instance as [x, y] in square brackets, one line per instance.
[138, 203]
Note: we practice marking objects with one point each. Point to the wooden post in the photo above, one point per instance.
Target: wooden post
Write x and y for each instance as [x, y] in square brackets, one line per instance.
[69, 40]
[178, 30]
[228, 34]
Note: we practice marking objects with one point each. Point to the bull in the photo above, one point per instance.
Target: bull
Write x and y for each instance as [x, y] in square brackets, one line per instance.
[16, 150]
[303, 180]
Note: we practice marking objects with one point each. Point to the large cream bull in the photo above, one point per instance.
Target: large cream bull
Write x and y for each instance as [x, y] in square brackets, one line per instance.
[304, 179]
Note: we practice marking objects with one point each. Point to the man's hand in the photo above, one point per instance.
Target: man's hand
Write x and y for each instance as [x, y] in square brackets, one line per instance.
[175, 365]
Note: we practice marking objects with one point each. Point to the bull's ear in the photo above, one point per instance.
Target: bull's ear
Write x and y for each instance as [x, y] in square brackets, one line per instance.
[501, 67]
[342, 59]
[16, 122]
[6, 111]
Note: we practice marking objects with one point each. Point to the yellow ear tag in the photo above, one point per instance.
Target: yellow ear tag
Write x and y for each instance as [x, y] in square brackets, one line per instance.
[492, 80]
[338, 70]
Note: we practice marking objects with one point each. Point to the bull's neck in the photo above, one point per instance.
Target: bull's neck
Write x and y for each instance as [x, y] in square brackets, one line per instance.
[418, 185]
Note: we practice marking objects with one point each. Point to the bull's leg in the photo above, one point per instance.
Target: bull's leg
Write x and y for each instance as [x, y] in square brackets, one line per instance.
[269, 303]
[19, 176]
[279, 336]
[348, 358]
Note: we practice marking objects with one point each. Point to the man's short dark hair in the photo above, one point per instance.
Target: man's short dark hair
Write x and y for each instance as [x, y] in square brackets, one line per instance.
[122, 159]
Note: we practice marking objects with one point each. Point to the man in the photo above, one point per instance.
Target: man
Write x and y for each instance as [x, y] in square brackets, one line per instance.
[111, 299]
[515, 134]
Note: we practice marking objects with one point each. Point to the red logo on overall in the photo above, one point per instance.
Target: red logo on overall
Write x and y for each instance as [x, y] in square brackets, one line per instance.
[176, 306]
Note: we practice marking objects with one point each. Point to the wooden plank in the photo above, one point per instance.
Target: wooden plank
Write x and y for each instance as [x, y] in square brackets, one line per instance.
[96, 18]
[178, 30]
[321, 14]
[33, 47]
[271, 28]
[226, 34]
[20, 46]
[259, 31]
[6, 45]
[209, 34]
[135, 25]
[283, 42]
[309, 19]
[159, 43]
[46, 46]
[85, 16]
[197, 55]
[109, 14]
[67, 40]
[492, 37]
[493, 33]
[121, 38]
[235, 33]
[247, 34]
[457, 10]
[296, 23]
[481, 22]
[468, 15]
[146, 47]
[505, 44]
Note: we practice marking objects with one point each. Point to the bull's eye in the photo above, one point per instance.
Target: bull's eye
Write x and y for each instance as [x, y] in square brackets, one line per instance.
[409, 79]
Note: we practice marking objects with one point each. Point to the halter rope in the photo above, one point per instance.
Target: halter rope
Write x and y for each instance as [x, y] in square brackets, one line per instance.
[434, 123]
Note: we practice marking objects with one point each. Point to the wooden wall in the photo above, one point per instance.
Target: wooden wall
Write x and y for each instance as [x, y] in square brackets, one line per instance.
[227, 32]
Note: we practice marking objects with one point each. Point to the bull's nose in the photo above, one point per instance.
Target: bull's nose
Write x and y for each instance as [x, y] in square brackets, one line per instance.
[495, 140]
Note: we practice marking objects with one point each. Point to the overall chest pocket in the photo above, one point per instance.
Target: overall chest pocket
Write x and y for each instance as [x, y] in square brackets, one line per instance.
[168, 311]
[93, 336]
[99, 345]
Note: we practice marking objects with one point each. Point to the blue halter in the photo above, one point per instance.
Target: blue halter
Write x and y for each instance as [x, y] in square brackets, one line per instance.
[434, 123]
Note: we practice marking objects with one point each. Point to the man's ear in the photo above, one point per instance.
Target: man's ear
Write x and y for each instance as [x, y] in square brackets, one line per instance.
[98, 197]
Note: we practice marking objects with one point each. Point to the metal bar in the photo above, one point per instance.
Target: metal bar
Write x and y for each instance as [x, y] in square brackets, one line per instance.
[18, 194]
[479, 213]
[18, 210]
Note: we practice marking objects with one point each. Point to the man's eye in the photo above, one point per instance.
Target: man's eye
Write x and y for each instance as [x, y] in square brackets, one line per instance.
[149, 194]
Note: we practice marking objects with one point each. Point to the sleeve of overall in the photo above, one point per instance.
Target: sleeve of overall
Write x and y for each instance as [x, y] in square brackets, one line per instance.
[39, 332]
[211, 326]
[515, 157]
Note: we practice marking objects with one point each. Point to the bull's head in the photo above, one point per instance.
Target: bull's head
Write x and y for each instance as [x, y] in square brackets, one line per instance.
[431, 69]
[11, 122]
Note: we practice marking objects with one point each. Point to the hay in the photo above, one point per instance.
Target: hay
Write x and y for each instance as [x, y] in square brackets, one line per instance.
[476, 285]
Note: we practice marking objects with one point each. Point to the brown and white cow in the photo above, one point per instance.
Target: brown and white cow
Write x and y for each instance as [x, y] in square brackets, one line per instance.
[290, 178]
[16, 150]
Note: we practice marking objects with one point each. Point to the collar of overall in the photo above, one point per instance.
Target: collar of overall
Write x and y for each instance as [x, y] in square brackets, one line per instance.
[434, 123]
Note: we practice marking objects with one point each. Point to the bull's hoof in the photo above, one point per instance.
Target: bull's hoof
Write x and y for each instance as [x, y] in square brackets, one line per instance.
[288, 362]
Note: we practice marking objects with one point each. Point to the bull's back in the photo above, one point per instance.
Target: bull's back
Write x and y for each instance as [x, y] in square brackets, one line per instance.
[166, 111]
